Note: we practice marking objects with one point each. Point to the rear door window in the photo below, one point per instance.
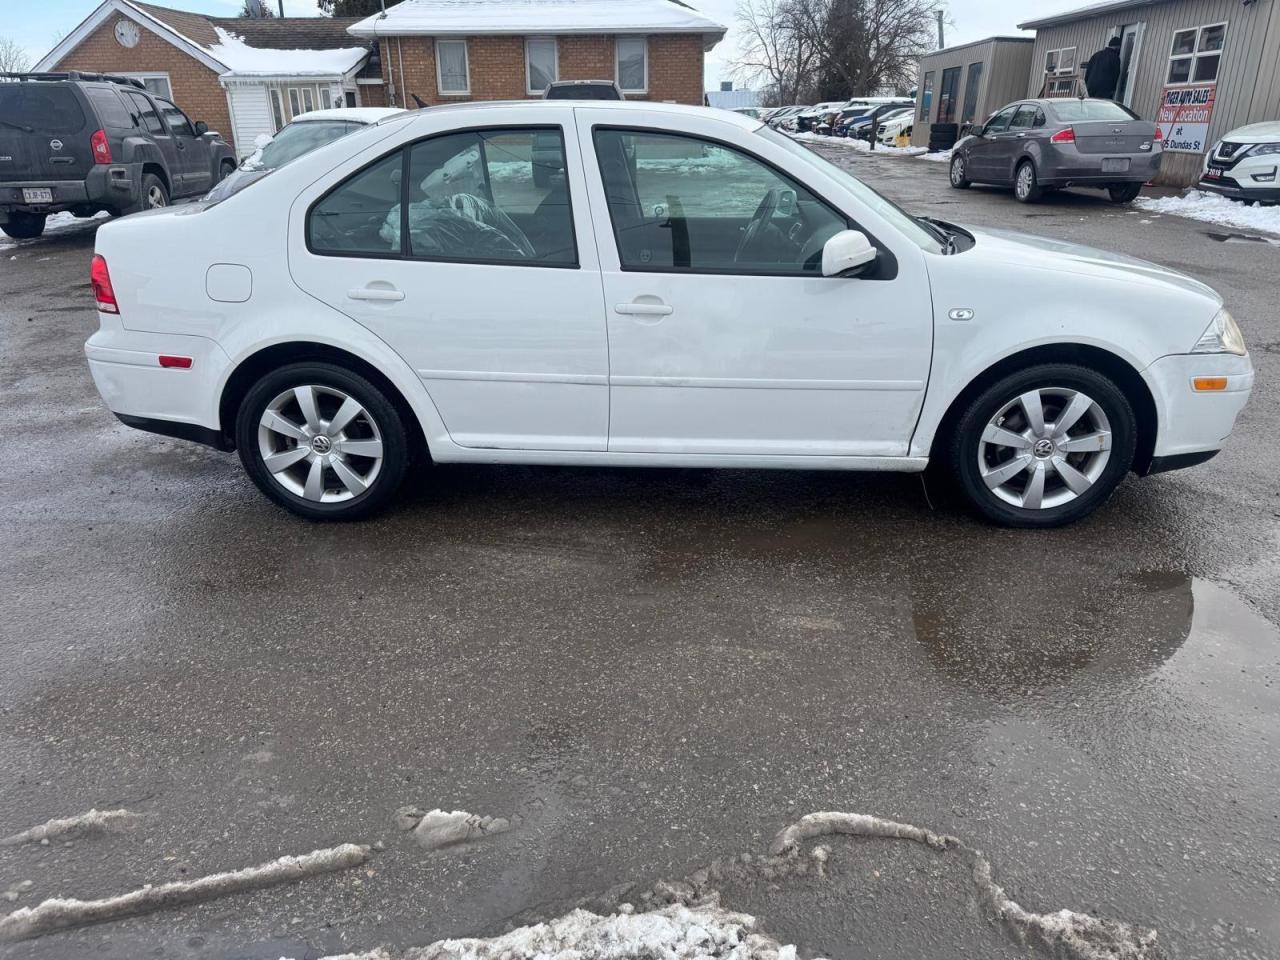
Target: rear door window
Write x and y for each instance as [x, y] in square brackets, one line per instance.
[111, 110]
[1024, 119]
[44, 107]
[147, 113]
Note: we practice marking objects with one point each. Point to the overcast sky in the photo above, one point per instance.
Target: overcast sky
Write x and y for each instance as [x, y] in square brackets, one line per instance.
[37, 24]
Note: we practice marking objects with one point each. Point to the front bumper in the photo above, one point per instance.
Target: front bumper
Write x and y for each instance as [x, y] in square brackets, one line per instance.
[125, 365]
[1193, 422]
[1240, 188]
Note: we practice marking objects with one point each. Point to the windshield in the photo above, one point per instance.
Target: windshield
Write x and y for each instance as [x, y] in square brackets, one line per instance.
[299, 138]
[1072, 111]
[908, 225]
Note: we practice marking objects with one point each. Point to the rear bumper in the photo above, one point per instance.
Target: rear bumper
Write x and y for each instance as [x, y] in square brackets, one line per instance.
[107, 186]
[1194, 425]
[1066, 165]
[125, 366]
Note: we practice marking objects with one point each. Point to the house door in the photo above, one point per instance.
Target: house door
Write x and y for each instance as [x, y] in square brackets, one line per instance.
[1130, 48]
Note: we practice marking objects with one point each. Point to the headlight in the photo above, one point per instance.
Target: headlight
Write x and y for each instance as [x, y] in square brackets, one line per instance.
[1262, 149]
[1221, 336]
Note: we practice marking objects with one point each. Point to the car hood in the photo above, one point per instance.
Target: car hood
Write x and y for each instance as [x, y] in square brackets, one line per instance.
[1043, 253]
[1256, 133]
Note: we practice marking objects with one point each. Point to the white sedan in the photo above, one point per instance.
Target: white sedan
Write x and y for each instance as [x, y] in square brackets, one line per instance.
[671, 286]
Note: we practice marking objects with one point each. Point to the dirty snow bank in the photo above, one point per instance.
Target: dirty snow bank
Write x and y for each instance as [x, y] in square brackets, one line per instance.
[83, 824]
[1065, 932]
[60, 913]
[941, 156]
[438, 828]
[1211, 208]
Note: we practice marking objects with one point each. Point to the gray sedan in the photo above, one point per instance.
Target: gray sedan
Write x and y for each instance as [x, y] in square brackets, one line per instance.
[1037, 145]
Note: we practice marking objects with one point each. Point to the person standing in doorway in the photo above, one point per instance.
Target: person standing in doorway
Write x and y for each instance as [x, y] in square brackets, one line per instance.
[1102, 72]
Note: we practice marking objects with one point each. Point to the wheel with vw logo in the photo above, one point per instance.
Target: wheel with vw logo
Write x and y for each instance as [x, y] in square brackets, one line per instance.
[1044, 446]
[322, 441]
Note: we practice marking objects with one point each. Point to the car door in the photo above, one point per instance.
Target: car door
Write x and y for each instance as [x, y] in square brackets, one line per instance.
[193, 153]
[985, 151]
[467, 261]
[724, 337]
[148, 114]
[1013, 142]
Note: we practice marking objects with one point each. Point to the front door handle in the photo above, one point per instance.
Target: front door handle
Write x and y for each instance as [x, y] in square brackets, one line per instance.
[642, 309]
[376, 294]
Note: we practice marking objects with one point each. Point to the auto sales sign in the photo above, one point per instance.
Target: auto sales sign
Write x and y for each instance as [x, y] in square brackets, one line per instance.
[1185, 113]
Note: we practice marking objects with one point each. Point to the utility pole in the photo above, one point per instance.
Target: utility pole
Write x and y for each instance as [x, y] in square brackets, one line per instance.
[281, 2]
[942, 42]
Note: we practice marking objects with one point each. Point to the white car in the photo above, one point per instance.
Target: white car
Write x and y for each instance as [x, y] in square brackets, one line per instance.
[889, 130]
[304, 133]
[690, 288]
[1243, 164]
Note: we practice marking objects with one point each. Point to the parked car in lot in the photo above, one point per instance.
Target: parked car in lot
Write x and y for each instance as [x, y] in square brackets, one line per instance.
[1034, 145]
[808, 119]
[700, 290]
[1243, 164]
[307, 132]
[888, 130]
[583, 90]
[92, 142]
[785, 118]
[861, 122]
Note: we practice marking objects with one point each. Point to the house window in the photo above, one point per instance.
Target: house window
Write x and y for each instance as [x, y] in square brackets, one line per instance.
[542, 64]
[633, 64]
[1062, 60]
[971, 84]
[926, 96]
[277, 109]
[157, 84]
[1196, 54]
[452, 76]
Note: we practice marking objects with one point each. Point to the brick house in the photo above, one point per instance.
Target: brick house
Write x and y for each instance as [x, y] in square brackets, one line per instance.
[244, 78]
[447, 51]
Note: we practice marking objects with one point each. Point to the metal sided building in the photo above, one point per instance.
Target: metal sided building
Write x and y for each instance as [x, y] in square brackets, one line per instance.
[1199, 68]
[969, 82]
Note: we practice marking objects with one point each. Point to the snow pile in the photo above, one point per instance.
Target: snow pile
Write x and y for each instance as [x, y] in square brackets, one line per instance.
[93, 822]
[940, 156]
[1212, 208]
[858, 146]
[60, 913]
[57, 223]
[242, 60]
[1064, 933]
[439, 828]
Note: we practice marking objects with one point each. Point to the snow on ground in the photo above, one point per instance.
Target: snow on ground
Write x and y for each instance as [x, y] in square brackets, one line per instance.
[1211, 208]
[941, 156]
[57, 223]
[858, 146]
[93, 822]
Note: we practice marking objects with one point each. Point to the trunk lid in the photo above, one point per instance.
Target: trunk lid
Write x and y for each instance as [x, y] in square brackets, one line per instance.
[1113, 136]
[44, 132]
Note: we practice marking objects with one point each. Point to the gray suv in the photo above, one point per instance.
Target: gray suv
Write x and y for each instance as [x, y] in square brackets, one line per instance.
[91, 142]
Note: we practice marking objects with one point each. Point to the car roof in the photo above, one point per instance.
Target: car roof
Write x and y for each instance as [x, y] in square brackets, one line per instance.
[621, 107]
[355, 114]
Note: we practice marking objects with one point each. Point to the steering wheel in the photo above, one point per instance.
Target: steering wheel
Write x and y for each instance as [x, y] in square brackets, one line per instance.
[754, 232]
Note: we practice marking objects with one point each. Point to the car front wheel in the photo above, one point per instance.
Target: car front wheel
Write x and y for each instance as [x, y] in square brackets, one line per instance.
[1044, 446]
[958, 178]
[322, 441]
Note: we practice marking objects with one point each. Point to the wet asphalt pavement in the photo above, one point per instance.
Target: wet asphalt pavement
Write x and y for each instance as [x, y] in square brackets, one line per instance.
[643, 669]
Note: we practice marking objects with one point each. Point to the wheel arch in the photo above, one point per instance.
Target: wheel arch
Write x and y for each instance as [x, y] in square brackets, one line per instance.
[1125, 375]
[158, 169]
[253, 367]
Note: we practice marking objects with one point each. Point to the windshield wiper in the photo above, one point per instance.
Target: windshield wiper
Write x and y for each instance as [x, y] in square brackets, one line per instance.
[18, 126]
[937, 230]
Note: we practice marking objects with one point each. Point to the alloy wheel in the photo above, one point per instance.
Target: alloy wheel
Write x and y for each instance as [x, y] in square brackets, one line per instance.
[155, 197]
[320, 443]
[957, 170]
[1045, 448]
[1026, 180]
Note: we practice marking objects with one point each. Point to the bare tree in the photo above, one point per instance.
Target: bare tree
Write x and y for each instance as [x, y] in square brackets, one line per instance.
[13, 58]
[772, 52]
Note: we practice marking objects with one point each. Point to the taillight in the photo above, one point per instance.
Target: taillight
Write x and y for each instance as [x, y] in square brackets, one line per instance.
[1159, 135]
[101, 149]
[1064, 136]
[100, 280]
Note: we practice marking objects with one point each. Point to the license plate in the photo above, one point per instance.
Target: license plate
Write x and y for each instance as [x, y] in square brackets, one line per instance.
[37, 195]
[1212, 174]
[1115, 164]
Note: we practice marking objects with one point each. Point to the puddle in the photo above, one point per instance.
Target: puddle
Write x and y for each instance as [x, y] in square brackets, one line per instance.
[1241, 238]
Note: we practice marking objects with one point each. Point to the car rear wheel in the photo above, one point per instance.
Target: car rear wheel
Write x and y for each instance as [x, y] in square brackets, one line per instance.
[1124, 192]
[23, 226]
[958, 178]
[1044, 446]
[1025, 186]
[322, 441]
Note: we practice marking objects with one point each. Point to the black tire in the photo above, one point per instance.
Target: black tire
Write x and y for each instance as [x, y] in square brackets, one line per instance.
[966, 445]
[225, 170]
[154, 195]
[957, 173]
[24, 226]
[1024, 191]
[378, 419]
[1124, 192]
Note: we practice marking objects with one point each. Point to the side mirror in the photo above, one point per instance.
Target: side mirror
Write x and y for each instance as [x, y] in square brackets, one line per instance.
[847, 253]
[201, 128]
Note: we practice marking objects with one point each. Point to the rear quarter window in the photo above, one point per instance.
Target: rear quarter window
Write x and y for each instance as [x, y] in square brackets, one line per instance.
[45, 107]
[111, 110]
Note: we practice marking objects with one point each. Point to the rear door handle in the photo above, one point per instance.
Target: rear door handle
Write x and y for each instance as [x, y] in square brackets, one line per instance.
[377, 294]
[642, 309]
